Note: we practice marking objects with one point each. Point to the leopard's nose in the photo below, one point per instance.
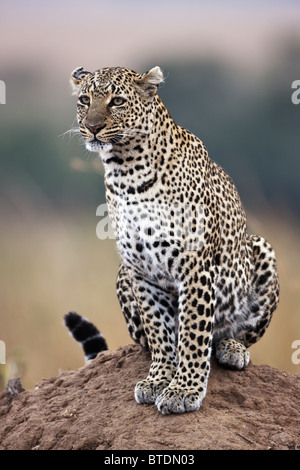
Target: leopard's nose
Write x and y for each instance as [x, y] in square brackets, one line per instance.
[95, 129]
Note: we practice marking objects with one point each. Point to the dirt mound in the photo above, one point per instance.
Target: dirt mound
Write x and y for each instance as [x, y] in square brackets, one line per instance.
[94, 408]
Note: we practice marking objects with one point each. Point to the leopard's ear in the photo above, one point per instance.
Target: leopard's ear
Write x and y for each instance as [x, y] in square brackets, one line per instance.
[149, 81]
[77, 76]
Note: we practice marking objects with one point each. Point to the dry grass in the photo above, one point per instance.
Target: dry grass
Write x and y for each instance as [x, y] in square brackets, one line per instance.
[52, 265]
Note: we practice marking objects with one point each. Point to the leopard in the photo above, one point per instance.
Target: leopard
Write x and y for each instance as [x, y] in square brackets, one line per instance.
[192, 282]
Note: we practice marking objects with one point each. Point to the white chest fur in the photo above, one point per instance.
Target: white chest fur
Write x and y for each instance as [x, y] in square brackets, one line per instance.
[144, 231]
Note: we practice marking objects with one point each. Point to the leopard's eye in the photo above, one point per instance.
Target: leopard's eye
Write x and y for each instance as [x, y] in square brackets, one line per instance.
[84, 99]
[117, 101]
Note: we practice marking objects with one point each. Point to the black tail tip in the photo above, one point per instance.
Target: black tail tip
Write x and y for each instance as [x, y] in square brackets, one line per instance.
[72, 319]
[86, 333]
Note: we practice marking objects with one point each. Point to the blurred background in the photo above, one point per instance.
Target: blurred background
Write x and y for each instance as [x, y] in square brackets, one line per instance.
[229, 68]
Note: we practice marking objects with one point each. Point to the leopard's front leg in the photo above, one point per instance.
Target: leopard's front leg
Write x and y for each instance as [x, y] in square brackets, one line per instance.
[157, 309]
[196, 311]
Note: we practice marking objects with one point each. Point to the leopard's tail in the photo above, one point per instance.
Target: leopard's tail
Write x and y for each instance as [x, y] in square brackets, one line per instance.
[83, 331]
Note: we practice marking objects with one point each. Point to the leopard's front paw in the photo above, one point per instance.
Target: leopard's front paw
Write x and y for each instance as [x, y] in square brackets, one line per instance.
[147, 390]
[177, 400]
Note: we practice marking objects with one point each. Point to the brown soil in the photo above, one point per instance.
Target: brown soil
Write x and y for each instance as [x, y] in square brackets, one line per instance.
[94, 408]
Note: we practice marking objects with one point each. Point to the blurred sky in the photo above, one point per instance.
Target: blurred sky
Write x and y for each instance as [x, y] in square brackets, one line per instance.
[62, 34]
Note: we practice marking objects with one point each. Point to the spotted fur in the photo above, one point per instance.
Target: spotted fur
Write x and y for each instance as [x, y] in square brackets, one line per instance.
[191, 280]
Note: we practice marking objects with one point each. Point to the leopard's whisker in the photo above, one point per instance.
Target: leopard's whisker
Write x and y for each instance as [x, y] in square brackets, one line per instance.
[70, 132]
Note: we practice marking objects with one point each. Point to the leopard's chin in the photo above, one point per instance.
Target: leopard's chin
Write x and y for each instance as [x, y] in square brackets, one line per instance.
[98, 146]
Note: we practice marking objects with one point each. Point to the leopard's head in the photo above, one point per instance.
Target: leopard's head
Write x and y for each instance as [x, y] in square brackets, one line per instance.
[115, 105]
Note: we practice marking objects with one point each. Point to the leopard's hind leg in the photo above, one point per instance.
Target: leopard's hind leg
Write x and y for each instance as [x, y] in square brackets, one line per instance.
[262, 301]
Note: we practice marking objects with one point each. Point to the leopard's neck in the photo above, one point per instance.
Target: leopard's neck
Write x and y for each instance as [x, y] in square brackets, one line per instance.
[136, 166]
